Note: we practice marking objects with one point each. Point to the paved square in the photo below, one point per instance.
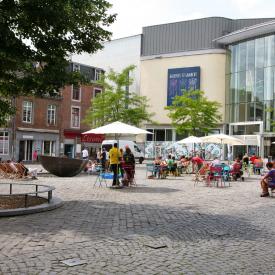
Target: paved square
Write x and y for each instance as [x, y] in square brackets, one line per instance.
[160, 227]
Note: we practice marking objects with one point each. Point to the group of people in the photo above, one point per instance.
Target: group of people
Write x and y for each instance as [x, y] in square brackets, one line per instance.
[116, 160]
[123, 162]
[173, 166]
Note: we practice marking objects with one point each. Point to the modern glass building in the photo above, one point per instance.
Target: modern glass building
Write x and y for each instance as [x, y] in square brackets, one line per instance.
[250, 86]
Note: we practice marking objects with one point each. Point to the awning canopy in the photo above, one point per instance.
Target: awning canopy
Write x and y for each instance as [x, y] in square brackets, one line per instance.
[247, 33]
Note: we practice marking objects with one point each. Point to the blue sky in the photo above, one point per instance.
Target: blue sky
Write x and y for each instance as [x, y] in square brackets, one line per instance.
[134, 14]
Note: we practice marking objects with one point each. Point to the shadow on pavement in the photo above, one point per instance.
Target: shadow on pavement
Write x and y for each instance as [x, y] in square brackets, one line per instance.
[98, 220]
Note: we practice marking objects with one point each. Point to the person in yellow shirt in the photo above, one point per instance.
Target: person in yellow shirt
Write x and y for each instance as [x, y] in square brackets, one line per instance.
[114, 157]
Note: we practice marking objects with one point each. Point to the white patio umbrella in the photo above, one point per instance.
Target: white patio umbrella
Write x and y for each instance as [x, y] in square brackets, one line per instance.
[222, 139]
[192, 140]
[118, 128]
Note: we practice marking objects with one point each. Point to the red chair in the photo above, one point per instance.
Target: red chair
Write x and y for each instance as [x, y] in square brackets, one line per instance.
[215, 175]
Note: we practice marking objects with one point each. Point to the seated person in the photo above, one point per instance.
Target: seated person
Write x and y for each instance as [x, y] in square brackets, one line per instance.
[258, 165]
[170, 164]
[91, 167]
[29, 171]
[163, 168]
[215, 162]
[157, 163]
[268, 181]
[236, 170]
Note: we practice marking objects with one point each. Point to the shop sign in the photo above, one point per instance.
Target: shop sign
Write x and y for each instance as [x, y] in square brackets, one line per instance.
[92, 138]
[27, 137]
[182, 79]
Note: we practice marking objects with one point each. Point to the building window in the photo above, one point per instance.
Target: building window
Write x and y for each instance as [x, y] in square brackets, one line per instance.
[51, 114]
[49, 148]
[97, 75]
[97, 91]
[76, 68]
[160, 135]
[27, 111]
[76, 91]
[75, 117]
[4, 143]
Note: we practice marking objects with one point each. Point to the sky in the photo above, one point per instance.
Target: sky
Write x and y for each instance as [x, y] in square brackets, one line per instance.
[132, 15]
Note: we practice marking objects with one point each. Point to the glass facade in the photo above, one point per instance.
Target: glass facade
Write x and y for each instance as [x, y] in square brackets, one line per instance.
[250, 94]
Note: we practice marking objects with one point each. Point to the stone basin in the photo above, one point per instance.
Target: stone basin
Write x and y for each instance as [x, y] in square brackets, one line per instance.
[61, 166]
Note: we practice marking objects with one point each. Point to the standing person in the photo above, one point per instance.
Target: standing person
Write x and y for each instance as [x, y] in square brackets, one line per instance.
[198, 162]
[103, 159]
[34, 155]
[121, 163]
[114, 157]
[85, 153]
[129, 165]
[98, 156]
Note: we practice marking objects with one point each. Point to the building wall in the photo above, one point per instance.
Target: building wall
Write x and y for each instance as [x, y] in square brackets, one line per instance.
[154, 73]
[71, 136]
[40, 107]
[190, 35]
[116, 54]
[38, 131]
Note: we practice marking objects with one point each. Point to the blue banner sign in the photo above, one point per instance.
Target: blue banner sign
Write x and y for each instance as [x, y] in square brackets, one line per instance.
[182, 79]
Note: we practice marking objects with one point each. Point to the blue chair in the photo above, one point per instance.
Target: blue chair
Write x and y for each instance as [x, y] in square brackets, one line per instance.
[150, 167]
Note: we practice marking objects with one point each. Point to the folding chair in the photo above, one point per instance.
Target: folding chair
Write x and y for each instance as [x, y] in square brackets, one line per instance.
[101, 178]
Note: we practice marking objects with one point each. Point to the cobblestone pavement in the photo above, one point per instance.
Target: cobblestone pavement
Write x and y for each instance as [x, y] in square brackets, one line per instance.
[199, 230]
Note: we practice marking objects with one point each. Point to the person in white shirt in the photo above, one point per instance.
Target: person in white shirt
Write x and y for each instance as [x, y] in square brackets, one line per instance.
[85, 153]
[215, 162]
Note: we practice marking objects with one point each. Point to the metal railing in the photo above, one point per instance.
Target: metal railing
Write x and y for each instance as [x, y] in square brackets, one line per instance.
[47, 189]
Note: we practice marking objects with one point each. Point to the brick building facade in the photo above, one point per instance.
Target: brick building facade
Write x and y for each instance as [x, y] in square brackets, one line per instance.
[51, 126]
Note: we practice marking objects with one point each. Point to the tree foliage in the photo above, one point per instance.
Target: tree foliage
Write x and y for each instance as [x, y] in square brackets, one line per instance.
[38, 36]
[192, 113]
[115, 103]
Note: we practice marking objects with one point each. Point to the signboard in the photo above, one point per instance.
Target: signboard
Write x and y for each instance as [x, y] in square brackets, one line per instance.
[92, 138]
[181, 79]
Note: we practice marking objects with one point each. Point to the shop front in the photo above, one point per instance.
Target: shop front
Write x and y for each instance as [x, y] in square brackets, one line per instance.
[30, 144]
[92, 142]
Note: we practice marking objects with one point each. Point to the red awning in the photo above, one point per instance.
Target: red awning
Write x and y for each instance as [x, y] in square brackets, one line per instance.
[72, 134]
[92, 138]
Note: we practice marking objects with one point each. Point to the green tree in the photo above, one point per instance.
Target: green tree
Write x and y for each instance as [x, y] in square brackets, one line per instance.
[36, 39]
[192, 113]
[116, 103]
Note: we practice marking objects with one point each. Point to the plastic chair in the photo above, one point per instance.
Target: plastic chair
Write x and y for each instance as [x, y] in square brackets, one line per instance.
[216, 175]
[101, 177]
[129, 175]
[150, 167]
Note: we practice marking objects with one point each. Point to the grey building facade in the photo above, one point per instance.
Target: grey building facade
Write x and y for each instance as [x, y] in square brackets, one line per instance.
[192, 35]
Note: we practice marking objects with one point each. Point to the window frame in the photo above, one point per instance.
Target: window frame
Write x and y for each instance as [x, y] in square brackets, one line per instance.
[97, 74]
[79, 108]
[48, 120]
[98, 89]
[31, 111]
[5, 142]
[72, 93]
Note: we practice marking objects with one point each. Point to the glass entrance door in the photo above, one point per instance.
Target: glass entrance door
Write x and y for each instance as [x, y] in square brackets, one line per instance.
[25, 150]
